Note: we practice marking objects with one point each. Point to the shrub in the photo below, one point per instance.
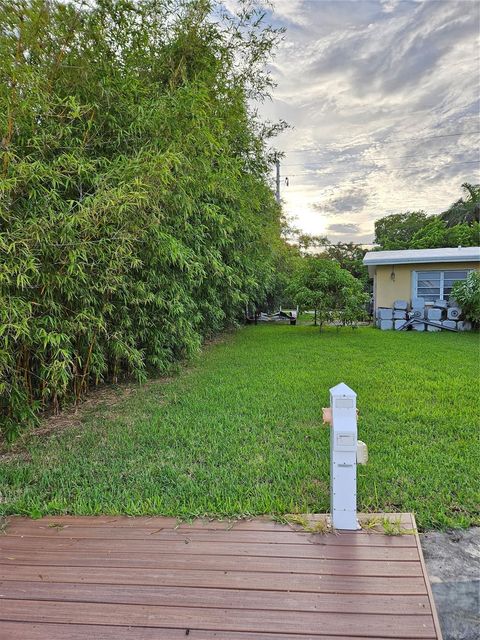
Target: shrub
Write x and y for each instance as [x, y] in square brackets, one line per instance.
[467, 294]
[334, 294]
[135, 211]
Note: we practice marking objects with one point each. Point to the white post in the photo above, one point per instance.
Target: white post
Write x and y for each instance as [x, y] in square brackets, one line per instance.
[343, 458]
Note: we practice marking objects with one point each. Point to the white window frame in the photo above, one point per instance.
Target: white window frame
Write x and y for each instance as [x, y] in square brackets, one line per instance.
[442, 280]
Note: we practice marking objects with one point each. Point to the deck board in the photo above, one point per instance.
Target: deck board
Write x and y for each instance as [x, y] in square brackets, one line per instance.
[282, 536]
[146, 578]
[154, 548]
[311, 583]
[41, 631]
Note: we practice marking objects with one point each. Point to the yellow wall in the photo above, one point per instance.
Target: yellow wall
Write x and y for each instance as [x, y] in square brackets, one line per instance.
[387, 290]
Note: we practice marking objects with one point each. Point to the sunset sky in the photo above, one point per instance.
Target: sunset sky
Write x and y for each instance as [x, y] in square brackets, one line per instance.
[382, 97]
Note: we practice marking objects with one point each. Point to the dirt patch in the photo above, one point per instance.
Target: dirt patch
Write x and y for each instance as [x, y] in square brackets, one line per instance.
[72, 417]
[105, 395]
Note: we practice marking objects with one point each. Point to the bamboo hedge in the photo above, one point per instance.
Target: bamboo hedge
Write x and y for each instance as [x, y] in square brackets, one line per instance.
[135, 212]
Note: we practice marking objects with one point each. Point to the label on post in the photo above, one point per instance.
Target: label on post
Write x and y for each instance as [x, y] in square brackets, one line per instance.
[345, 441]
[344, 403]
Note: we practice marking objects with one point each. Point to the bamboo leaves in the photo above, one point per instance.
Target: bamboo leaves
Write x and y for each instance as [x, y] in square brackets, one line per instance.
[135, 215]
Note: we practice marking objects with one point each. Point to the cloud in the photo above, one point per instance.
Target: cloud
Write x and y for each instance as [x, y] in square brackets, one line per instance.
[377, 93]
[291, 11]
[407, 49]
[343, 228]
[352, 200]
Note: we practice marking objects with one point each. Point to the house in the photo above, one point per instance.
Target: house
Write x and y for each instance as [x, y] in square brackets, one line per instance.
[418, 273]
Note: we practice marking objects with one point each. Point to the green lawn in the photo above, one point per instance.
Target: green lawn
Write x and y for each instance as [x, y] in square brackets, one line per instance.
[239, 432]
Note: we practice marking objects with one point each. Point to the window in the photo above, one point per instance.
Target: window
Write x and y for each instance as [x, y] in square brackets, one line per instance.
[435, 285]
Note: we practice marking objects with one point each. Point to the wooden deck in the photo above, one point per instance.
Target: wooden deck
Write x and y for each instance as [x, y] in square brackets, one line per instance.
[118, 578]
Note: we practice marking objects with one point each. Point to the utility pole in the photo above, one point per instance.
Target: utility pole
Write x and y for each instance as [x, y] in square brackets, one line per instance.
[277, 191]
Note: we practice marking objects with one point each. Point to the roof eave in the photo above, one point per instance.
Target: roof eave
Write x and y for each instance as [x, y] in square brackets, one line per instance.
[386, 261]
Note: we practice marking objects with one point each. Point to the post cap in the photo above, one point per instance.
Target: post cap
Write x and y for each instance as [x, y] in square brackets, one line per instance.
[342, 390]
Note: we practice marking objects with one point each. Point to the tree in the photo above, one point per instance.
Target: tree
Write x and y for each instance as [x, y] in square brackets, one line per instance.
[350, 257]
[457, 226]
[310, 244]
[136, 215]
[332, 292]
[397, 231]
[437, 233]
[465, 210]
[287, 259]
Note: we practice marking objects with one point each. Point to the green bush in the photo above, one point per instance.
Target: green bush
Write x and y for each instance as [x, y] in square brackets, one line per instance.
[135, 212]
[467, 294]
[335, 295]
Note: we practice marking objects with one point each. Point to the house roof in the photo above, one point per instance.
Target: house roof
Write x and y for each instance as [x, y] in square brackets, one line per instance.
[447, 254]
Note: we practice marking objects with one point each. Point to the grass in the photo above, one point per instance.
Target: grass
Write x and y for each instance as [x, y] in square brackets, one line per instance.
[239, 433]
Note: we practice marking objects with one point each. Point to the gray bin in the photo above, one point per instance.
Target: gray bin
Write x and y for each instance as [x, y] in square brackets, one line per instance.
[440, 304]
[432, 328]
[464, 325]
[398, 314]
[384, 313]
[400, 304]
[435, 315]
[385, 325]
[418, 326]
[450, 324]
[418, 303]
[398, 324]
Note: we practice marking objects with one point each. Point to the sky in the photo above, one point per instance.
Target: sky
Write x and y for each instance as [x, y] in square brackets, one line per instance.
[382, 99]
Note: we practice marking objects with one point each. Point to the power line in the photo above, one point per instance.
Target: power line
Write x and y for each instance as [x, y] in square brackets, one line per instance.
[410, 155]
[352, 183]
[381, 203]
[314, 172]
[443, 118]
[412, 139]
